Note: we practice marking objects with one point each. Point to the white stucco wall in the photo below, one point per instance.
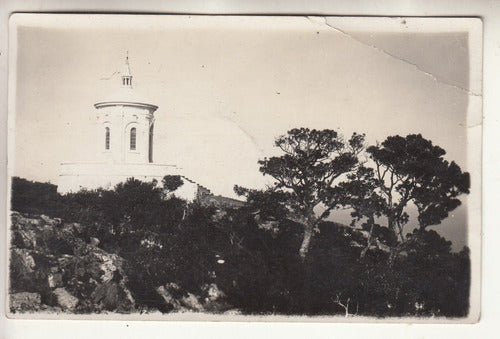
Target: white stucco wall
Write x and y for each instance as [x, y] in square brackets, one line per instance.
[120, 119]
[76, 176]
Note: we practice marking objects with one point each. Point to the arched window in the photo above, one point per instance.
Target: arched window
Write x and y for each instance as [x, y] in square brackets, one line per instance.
[106, 142]
[151, 143]
[132, 138]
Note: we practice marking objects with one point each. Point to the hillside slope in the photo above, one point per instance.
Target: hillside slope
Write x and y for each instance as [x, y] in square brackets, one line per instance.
[53, 268]
[56, 267]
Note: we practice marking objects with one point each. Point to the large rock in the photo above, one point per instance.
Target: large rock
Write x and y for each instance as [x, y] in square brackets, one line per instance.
[94, 241]
[50, 221]
[112, 297]
[65, 299]
[192, 302]
[215, 299]
[24, 231]
[171, 294]
[25, 301]
[107, 266]
[55, 280]
[77, 227]
[25, 238]
[28, 272]
[213, 292]
[180, 301]
[23, 260]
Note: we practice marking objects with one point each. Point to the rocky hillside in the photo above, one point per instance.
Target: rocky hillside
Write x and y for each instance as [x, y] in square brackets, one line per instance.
[55, 267]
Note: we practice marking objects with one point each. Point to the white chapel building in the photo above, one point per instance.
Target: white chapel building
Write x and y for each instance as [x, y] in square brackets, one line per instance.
[125, 124]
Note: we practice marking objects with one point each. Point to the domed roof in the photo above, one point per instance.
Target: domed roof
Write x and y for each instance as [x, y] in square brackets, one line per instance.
[125, 94]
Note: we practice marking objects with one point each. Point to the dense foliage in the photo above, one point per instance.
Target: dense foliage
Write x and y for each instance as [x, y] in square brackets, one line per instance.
[305, 175]
[250, 253]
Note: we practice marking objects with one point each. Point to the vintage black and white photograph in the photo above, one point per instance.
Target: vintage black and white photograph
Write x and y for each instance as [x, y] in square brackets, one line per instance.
[249, 168]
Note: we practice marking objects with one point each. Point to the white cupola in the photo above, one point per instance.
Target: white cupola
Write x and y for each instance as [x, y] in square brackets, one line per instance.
[126, 121]
[124, 139]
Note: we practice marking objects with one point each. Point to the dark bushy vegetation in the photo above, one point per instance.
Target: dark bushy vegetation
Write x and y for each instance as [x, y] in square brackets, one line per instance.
[34, 197]
[264, 274]
[251, 253]
[257, 268]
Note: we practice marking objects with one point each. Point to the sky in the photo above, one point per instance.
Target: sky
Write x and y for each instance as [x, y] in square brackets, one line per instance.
[227, 86]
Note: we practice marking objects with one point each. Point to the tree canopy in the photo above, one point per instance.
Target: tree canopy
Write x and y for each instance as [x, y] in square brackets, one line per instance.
[306, 175]
[320, 171]
[412, 170]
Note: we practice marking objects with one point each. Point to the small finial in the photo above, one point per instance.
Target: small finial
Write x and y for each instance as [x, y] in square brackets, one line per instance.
[126, 75]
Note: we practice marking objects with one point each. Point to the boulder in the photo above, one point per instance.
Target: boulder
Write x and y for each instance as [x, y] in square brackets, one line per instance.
[107, 264]
[192, 302]
[177, 300]
[112, 297]
[55, 280]
[78, 227]
[94, 241]
[34, 222]
[23, 260]
[25, 238]
[19, 221]
[46, 219]
[56, 242]
[50, 221]
[213, 292]
[169, 294]
[28, 272]
[215, 299]
[65, 299]
[25, 301]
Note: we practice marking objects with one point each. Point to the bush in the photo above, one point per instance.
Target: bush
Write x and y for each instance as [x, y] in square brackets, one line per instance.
[34, 197]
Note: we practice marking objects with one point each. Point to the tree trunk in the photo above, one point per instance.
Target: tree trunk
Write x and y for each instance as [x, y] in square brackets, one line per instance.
[371, 222]
[306, 241]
